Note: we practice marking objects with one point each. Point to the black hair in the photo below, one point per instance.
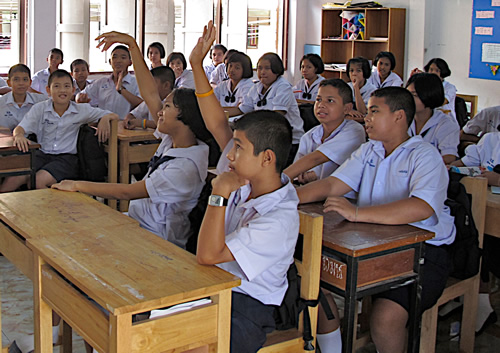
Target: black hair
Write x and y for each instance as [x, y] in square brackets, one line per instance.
[218, 47]
[267, 130]
[365, 65]
[78, 62]
[244, 60]
[442, 66]
[158, 46]
[429, 89]
[398, 98]
[316, 61]
[56, 51]
[19, 68]
[276, 64]
[344, 89]
[228, 54]
[185, 100]
[121, 47]
[164, 74]
[388, 55]
[58, 74]
[177, 55]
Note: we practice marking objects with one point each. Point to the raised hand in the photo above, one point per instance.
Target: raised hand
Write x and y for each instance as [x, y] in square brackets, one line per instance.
[106, 40]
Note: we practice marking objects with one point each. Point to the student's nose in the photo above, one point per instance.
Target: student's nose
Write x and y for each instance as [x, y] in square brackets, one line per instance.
[230, 154]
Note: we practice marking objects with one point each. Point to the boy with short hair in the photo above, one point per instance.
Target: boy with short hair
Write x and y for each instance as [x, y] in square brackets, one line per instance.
[41, 78]
[56, 123]
[80, 72]
[399, 180]
[15, 104]
[118, 92]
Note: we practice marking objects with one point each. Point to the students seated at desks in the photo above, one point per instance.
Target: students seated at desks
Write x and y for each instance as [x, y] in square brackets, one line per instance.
[183, 77]
[40, 79]
[251, 224]
[156, 52]
[219, 75]
[485, 121]
[80, 72]
[273, 92]
[15, 104]
[399, 180]
[311, 66]
[117, 92]
[217, 56]
[4, 87]
[164, 78]
[323, 148]
[56, 123]
[359, 72]
[230, 92]
[382, 75]
[435, 127]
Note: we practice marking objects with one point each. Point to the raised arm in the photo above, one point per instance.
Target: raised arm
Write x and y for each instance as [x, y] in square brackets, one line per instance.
[211, 110]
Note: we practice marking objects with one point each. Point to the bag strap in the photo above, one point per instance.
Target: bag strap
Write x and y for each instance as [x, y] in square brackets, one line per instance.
[303, 305]
[156, 161]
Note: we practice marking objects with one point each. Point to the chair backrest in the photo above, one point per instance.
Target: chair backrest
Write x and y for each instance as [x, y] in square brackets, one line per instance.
[478, 188]
[470, 100]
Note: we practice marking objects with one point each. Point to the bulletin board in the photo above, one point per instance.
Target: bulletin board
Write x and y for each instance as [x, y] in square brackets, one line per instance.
[485, 40]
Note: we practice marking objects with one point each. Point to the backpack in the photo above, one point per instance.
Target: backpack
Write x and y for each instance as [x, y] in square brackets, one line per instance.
[91, 156]
[461, 111]
[464, 252]
[306, 111]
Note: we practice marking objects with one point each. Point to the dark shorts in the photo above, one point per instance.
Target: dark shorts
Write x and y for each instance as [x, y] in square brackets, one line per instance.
[60, 166]
[433, 276]
[491, 258]
[250, 322]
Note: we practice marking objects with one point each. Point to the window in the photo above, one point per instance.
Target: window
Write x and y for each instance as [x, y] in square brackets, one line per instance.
[11, 44]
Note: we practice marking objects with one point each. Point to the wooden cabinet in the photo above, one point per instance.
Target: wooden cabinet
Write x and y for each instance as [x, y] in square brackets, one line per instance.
[384, 31]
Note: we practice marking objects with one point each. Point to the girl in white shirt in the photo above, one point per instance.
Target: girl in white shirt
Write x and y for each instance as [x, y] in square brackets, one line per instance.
[230, 92]
[383, 76]
[311, 66]
[183, 78]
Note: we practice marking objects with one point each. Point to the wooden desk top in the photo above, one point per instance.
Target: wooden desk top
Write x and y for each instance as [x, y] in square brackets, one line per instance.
[358, 239]
[39, 212]
[7, 142]
[135, 134]
[493, 200]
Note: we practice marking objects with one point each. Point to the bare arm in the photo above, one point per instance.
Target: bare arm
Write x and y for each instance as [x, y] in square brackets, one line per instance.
[19, 140]
[449, 158]
[468, 137]
[458, 163]
[233, 111]
[104, 128]
[5, 90]
[109, 191]
[321, 189]
[360, 103]
[305, 163]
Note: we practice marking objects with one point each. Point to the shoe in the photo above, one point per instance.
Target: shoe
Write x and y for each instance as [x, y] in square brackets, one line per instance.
[492, 318]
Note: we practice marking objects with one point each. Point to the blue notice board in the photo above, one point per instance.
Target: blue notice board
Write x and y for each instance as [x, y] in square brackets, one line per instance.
[485, 40]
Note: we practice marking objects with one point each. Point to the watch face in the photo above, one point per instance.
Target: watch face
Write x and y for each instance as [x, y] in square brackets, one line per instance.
[215, 200]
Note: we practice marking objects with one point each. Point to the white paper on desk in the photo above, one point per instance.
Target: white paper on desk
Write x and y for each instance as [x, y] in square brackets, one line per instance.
[178, 308]
[495, 189]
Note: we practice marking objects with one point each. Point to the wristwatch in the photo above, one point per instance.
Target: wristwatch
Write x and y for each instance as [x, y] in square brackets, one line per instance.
[217, 200]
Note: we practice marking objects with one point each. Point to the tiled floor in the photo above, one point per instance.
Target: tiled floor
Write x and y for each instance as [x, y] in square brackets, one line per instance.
[17, 316]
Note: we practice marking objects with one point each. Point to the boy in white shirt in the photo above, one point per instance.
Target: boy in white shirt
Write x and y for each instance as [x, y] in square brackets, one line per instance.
[80, 72]
[487, 120]
[41, 78]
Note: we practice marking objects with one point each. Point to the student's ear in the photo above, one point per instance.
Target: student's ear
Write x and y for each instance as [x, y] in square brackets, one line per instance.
[109, 61]
[8, 83]
[268, 158]
[347, 108]
[47, 88]
[400, 115]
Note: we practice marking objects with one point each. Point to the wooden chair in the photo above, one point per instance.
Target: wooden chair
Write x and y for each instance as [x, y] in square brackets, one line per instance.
[289, 341]
[472, 100]
[469, 288]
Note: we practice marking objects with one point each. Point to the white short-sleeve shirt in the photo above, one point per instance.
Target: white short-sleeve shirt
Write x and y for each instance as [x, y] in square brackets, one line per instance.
[450, 93]
[485, 154]
[224, 93]
[141, 112]
[219, 75]
[173, 189]
[487, 120]
[40, 80]
[413, 169]
[261, 234]
[302, 90]
[185, 80]
[209, 69]
[58, 134]
[366, 91]
[103, 94]
[11, 113]
[392, 80]
[2, 82]
[77, 89]
[278, 97]
[442, 131]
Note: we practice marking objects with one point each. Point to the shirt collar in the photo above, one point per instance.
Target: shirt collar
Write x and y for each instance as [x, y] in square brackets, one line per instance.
[49, 107]
[409, 145]
[318, 133]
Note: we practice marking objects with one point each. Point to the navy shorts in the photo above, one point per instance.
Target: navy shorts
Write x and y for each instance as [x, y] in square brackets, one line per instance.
[250, 322]
[433, 276]
[60, 166]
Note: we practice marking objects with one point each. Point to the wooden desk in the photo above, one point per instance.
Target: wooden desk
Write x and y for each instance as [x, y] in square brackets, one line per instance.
[361, 259]
[14, 162]
[492, 220]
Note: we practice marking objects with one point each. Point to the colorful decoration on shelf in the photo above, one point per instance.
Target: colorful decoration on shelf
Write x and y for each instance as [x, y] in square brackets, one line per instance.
[493, 68]
[353, 25]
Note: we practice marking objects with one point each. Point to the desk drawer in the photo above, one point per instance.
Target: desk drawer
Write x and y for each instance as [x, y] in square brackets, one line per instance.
[370, 271]
[16, 251]
[15, 162]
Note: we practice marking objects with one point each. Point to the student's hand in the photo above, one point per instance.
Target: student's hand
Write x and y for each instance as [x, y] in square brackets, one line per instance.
[203, 46]
[82, 98]
[224, 184]
[355, 84]
[106, 40]
[355, 114]
[22, 143]
[130, 122]
[493, 178]
[65, 185]
[342, 206]
[104, 127]
[307, 177]
[119, 81]
[415, 71]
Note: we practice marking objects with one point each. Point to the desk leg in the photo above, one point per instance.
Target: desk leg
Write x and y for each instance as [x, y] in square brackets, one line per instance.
[224, 321]
[43, 313]
[113, 159]
[124, 170]
[120, 333]
[415, 297]
[351, 308]
[32, 170]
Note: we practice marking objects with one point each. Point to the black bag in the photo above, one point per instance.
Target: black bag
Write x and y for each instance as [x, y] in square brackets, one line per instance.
[307, 114]
[91, 156]
[464, 251]
[461, 111]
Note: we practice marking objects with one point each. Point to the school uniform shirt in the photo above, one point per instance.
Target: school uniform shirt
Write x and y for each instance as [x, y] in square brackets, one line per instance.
[441, 131]
[366, 91]
[485, 121]
[40, 80]
[278, 97]
[185, 80]
[450, 93]
[3, 83]
[173, 189]
[103, 94]
[393, 80]
[77, 89]
[219, 75]
[302, 90]
[485, 154]
[141, 112]
[10, 112]
[58, 134]
[224, 94]
[209, 69]
[338, 146]
[413, 169]
[261, 234]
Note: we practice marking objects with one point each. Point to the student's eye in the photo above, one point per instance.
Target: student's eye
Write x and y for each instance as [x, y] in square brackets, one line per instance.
[330, 100]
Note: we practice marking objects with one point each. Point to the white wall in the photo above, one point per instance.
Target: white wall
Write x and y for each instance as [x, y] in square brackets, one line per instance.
[41, 33]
